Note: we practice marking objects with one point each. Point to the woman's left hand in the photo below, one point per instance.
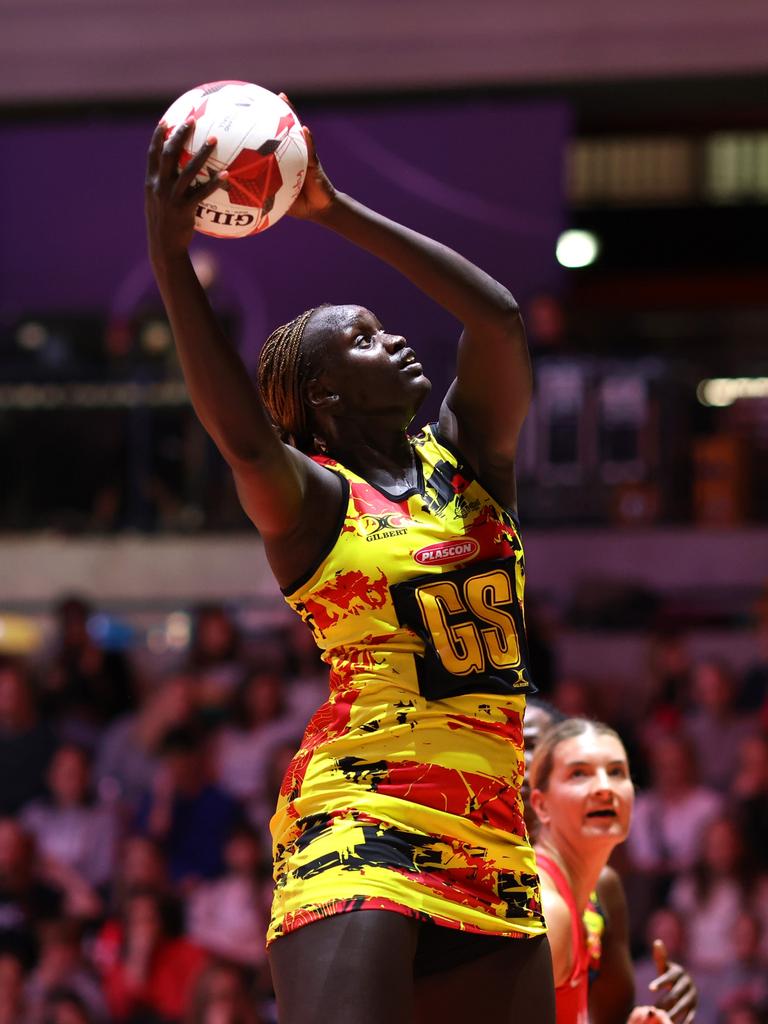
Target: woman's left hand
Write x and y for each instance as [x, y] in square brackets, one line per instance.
[317, 193]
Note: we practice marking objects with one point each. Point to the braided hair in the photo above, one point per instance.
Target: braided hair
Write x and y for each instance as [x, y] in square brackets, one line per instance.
[284, 368]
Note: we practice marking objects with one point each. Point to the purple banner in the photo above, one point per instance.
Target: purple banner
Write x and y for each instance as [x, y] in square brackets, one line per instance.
[484, 176]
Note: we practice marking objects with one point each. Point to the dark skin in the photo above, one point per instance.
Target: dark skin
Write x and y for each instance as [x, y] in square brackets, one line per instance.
[612, 993]
[362, 399]
[365, 388]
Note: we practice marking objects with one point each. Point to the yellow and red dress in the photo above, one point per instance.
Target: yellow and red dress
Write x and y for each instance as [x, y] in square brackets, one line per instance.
[405, 793]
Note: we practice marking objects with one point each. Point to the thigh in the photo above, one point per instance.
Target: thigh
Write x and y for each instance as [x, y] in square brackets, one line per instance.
[512, 984]
[354, 968]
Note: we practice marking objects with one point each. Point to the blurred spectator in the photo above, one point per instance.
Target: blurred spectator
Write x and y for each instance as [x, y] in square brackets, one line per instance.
[225, 917]
[222, 996]
[669, 821]
[127, 755]
[670, 680]
[546, 322]
[142, 865]
[26, 744]
[742, 1013]
[754, 690]
[70, 828]
[26, 900]
[186, 811]
[713, 895]
[259, 722]
[62, 966]
[215, 653]
[148, 971]
[301, 658]
[83, 686]
[12, 1006]
[749, 792]
[66, 1007]
[670, 817]
[306, 672]
[280, 758]
[573, 698]
[541, 648]
[713, 726]
[745, 979]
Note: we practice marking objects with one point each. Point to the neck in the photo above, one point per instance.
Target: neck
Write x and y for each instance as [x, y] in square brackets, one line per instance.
[375, 432]
[581, 867]
[382, 456]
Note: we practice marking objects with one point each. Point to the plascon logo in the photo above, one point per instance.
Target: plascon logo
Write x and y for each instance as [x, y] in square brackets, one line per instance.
[449, 551]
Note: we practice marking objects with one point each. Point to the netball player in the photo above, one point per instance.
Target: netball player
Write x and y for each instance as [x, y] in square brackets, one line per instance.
[405, 885]
[611, 975]
[582, 794]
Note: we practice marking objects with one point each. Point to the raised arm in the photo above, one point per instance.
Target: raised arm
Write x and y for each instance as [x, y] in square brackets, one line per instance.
[281, 490]
[487, 403]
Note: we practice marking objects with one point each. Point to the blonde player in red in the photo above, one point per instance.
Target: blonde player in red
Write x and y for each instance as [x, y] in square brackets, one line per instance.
[406, 886]
[611, 974]
[582, 794]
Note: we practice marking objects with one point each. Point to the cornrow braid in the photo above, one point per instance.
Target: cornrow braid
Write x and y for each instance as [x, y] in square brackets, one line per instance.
[281, 376]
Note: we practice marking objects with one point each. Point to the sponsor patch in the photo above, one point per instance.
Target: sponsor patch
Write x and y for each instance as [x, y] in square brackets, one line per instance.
[459, 550]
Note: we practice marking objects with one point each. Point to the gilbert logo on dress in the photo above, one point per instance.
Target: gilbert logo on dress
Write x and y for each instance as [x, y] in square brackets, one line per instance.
[460, 550]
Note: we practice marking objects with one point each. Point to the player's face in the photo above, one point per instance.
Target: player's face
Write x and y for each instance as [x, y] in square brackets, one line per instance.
[590, 793]
[371, 369]
[537, 720]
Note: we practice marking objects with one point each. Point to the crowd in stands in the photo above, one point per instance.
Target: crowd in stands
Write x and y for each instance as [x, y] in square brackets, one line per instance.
[135, 855]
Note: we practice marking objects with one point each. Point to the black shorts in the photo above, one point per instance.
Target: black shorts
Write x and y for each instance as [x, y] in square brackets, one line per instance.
[440, 948]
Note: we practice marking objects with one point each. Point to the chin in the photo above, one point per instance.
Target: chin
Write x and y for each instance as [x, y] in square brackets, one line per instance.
[422, 387]
[616, 831]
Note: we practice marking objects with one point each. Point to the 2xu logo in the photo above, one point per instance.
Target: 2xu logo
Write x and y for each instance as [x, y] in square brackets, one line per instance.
[446, 553]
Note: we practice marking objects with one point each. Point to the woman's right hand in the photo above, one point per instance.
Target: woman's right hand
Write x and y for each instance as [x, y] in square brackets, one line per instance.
[317, 193]
[170, 197]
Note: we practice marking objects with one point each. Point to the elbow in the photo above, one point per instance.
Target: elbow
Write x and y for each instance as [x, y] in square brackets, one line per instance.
[508, 306]
[505, 313]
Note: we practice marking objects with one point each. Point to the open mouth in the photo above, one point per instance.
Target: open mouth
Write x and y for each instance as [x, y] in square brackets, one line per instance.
[606, 812]
[409, 359]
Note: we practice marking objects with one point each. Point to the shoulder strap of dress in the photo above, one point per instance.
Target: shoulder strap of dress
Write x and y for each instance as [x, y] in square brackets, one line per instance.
[577, 928]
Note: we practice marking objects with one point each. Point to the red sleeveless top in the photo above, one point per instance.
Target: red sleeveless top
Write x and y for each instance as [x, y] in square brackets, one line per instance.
[571, 995]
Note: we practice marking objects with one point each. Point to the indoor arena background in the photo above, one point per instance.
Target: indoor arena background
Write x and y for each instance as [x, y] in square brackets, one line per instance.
[143, 642]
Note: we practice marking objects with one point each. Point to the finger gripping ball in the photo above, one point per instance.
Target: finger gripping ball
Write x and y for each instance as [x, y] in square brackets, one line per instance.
[260, 144]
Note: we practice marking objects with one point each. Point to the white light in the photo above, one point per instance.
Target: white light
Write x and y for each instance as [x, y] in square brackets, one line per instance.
[178, 630]
[577, 248]
[31, 336]
[723, 391]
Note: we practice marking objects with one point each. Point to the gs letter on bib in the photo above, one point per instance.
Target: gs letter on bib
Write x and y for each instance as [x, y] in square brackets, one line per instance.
[472, 627]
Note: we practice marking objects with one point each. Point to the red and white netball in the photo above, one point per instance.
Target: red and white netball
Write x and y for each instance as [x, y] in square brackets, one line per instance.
[260, 143]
